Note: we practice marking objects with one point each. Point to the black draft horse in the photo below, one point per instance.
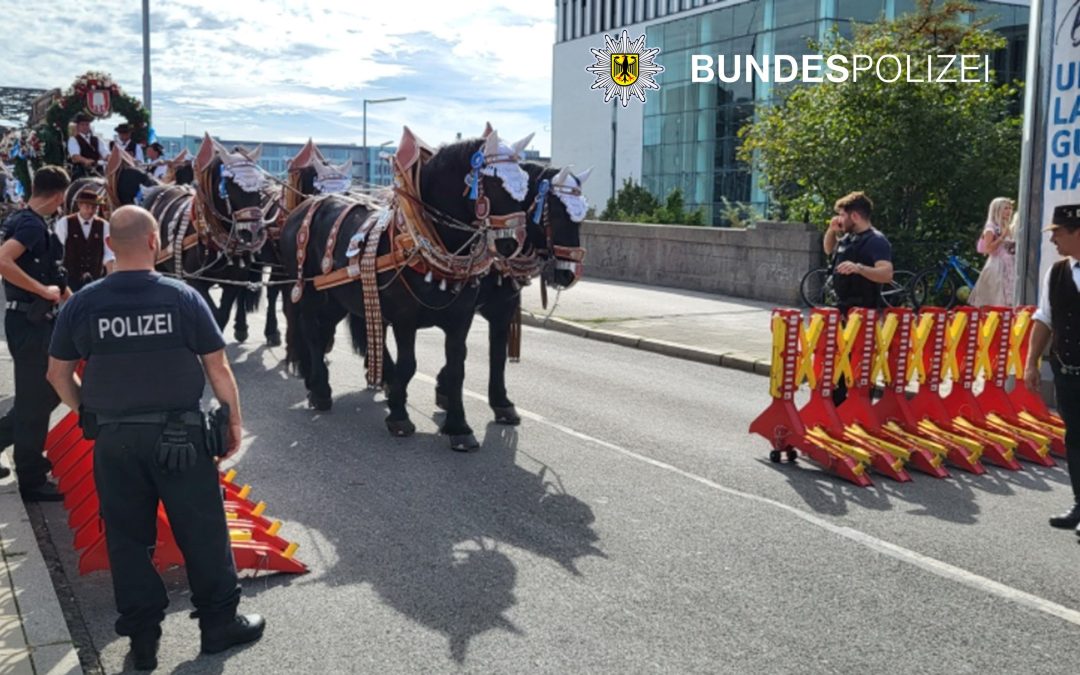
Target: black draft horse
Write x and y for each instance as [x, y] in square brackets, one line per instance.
[552, 250]
[309, 175]
[409, 298]
[211, 231]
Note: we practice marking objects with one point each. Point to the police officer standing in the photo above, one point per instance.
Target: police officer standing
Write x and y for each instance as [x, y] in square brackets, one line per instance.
[147, 341]
[862, 262]
[1057, 325]
[33, 286]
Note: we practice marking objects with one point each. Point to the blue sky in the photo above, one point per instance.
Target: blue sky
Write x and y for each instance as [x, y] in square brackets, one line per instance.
[287, 70]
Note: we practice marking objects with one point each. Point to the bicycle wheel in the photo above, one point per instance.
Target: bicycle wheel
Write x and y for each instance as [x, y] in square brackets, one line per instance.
[897, 293]
[816, 288]
[933, 288]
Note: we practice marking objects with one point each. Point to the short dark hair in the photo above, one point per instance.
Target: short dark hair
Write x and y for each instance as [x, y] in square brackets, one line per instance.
[48, 180]
[856, 202]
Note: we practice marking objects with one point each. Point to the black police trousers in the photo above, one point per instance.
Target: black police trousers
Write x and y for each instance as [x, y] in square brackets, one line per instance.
[1067, 389]
[27, 423]
[130, 482]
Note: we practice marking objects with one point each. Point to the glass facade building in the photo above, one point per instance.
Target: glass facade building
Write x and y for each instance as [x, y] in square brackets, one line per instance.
[275, 156]
[690, 130]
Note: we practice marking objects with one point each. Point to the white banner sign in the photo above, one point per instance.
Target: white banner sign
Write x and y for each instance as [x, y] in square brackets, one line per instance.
[1061, 179]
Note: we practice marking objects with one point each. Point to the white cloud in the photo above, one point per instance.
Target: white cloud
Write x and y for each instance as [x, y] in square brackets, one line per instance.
[286, 69]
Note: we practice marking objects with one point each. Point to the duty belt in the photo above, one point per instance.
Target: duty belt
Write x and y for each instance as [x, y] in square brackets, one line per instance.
[18, 306]
[190, 417]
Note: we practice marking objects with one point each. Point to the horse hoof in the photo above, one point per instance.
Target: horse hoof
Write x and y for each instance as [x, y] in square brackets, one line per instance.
[319, 403]
[400, 428]
[506, 415]
[441, 401]
[240, 334]
[463, 442]
[273, 339]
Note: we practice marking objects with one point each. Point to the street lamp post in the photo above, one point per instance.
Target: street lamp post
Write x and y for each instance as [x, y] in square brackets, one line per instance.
[146, 55]
[367, 153]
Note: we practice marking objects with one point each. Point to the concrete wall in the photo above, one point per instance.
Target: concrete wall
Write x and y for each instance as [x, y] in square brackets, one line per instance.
[764, 263]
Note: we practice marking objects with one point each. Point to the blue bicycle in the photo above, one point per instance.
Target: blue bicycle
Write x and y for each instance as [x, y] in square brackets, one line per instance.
[946, 284]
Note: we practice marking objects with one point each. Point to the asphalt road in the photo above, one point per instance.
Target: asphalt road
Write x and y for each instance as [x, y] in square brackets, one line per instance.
[630, 524]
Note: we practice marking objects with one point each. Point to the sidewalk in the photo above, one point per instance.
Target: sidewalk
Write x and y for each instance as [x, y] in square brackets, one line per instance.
[712, 329]
[34, 637]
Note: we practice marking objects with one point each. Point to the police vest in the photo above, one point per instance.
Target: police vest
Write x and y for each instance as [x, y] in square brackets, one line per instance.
[138, 359]
[42, 266]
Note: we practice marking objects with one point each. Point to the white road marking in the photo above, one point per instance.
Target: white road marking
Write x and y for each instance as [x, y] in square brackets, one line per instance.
[932, 565]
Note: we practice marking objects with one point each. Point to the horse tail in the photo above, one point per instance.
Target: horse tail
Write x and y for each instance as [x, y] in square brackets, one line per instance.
[358, 331]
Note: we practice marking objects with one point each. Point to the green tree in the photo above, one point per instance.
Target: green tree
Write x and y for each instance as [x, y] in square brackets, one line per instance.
[635, 204]
[930, 155]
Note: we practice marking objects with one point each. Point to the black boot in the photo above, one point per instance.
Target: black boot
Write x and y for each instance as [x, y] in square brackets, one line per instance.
[243, 628]
[46, 492]
[144, 649]
[1068, 520]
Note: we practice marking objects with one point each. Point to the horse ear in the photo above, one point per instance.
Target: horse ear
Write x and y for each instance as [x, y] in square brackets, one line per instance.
[408, 151]
[346, 168]
[303, 158]
[491, 144]
[560, 178]
[583, 176]
[520, 146]
[255, 154]
[488, 130]
[206, 153]
[115, 160]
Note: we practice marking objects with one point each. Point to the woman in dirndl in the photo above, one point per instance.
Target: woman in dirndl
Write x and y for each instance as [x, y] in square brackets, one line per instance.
[997, 282]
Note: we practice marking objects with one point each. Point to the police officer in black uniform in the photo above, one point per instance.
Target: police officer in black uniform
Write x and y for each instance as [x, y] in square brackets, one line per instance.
[1057, 325]
[863, 260]
[147, 341]
[33, 285]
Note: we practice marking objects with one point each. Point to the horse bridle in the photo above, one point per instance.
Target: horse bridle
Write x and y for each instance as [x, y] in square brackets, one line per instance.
[240, 220]
[558, 258]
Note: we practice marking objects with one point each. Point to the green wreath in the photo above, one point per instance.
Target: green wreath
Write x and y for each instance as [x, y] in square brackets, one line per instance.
[53, 133]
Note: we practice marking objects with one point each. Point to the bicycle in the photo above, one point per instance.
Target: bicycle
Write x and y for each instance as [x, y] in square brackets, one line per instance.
[817, 290]
[937, 286]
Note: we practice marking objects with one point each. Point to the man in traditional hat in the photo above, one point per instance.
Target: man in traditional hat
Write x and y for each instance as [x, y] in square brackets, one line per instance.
[85, 150]
[87, 256]
[155, 160]
[125, 141]
[1057, 325]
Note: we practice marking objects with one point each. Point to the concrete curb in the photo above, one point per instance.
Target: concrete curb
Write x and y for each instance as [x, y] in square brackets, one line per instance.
[47, 637]
[735, 360]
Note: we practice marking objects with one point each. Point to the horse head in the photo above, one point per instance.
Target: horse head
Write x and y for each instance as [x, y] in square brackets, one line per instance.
[477, 183]
[557, 209]
[310, 174]
[229, 185]
[124, 179]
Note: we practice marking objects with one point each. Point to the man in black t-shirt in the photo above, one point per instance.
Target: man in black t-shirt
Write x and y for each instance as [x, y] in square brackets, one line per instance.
[33, 286]
[862, 261]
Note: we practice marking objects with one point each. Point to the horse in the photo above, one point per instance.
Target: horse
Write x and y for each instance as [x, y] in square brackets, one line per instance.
[309, 174]
[419, 262]
[212, 230]
[553, 252]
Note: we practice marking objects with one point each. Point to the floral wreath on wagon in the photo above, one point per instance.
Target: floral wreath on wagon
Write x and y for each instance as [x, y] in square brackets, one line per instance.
[93, 93]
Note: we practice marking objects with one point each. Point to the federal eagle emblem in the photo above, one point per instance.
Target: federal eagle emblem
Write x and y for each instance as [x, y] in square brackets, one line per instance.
[625, 68]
